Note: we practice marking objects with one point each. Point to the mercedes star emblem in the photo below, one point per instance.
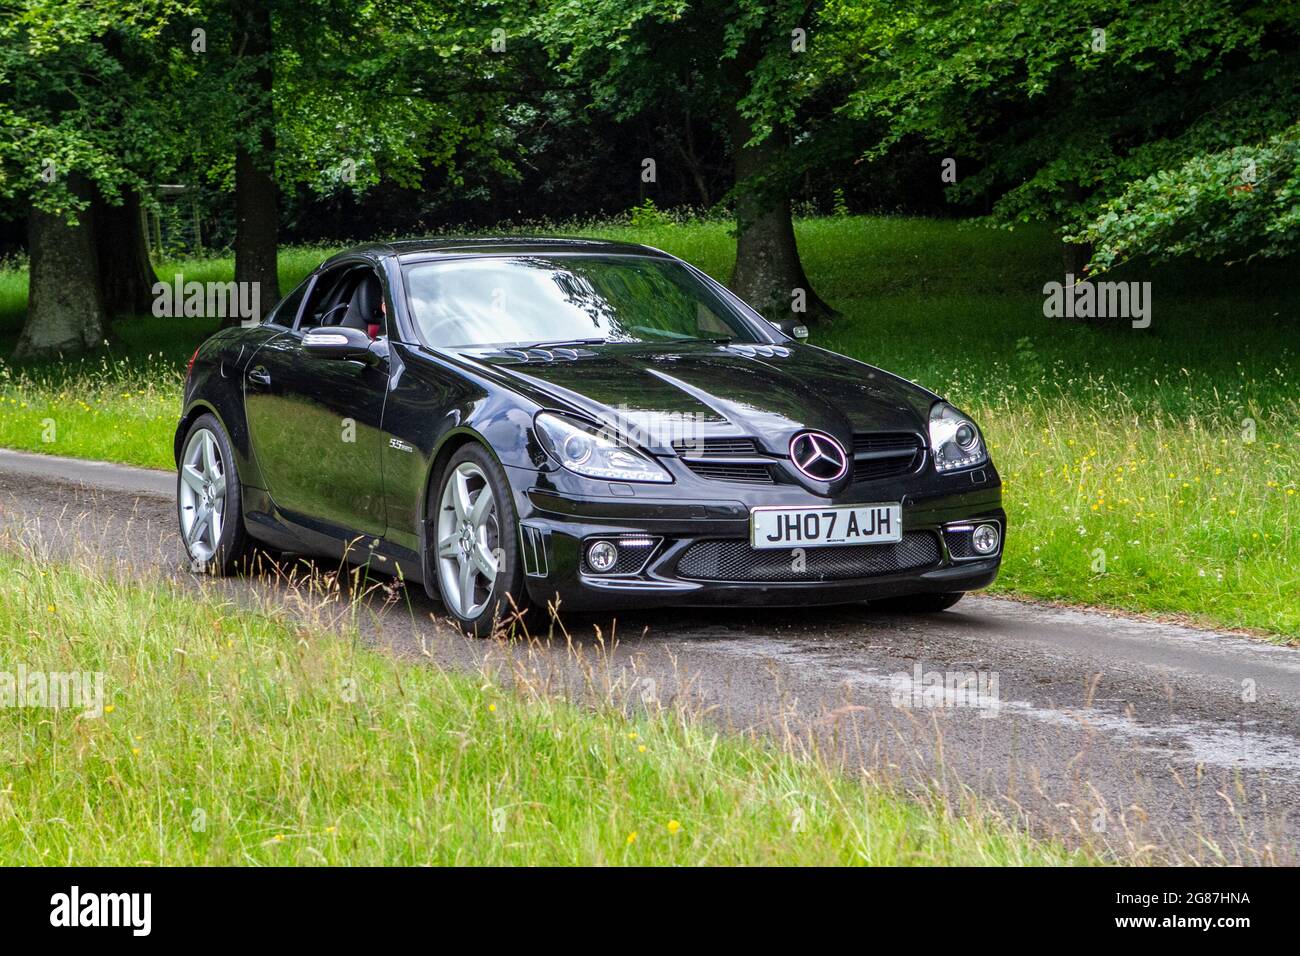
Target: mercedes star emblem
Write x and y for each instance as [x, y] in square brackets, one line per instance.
[818, 456]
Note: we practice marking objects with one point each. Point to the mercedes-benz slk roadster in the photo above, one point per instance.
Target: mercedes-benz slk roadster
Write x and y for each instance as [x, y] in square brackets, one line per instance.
[578, 425]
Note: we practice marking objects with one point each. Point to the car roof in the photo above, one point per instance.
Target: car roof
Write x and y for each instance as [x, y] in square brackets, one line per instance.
[495, 246]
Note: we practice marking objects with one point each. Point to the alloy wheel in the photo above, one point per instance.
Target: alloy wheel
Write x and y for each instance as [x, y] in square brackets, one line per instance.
[202, 495]
[468, 540]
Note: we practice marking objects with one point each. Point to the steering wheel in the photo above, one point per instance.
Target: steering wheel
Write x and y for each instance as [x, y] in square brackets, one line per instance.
[325, 318]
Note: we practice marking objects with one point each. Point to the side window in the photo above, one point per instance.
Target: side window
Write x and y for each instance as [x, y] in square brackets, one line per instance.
[287, 310]
[328, 299]
[351, 296]
[709, 325]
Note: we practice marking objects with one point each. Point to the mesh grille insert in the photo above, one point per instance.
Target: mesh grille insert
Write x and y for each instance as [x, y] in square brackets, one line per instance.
[735, 560]
[959, 544]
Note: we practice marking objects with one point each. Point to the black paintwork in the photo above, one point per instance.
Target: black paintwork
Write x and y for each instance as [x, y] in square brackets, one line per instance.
[409, 406]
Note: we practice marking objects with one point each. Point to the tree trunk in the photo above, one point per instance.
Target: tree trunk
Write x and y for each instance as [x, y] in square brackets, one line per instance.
[769, 274]
[1075, 256]
[682, 138]
[126, 275]
[65, 311]
[256, 198]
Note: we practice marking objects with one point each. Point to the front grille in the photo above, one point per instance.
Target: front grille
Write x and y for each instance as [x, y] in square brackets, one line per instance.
[885, 455]
[726, 471]
[865, 442]
[722, 459]
[733, 560]
[715, 447]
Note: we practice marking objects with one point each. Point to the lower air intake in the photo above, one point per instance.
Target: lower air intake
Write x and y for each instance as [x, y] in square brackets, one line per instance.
[732, 560]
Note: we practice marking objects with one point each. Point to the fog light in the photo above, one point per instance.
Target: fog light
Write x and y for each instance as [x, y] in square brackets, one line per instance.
[602, 556]
[985, 538]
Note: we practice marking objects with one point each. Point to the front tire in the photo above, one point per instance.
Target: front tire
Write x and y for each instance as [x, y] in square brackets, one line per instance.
[209, 500]
[475, 542]
[919, 603]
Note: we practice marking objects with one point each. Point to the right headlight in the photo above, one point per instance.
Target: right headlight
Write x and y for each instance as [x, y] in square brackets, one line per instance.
[591, 451]
[955, 439]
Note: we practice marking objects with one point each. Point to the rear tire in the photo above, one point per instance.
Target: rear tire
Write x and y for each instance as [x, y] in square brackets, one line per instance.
[209, 501]
[919, 603]
[474, 543]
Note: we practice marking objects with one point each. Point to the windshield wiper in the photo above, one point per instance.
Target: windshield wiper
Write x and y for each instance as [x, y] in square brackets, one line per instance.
[561, 344]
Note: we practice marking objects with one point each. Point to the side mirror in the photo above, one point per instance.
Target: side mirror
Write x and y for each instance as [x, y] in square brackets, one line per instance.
[793, 328]
[338, 342]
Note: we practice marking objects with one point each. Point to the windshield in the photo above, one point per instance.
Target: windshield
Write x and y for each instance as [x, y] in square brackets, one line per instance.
[553, 299]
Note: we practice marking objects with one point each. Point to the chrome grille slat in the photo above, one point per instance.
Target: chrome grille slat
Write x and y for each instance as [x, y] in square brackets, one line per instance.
[716, 447]
[725, 458]
[759, 474]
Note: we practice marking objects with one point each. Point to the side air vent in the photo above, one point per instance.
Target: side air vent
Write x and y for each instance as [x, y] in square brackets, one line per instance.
[758, 351]
[545, 355]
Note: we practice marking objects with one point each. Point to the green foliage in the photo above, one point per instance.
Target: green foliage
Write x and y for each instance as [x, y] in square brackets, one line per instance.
[1242, 201]
[127, 95]
[646, 215]
[841, 207]
[709, 57]
[77, 96]
[364, 93]
[1054, 110]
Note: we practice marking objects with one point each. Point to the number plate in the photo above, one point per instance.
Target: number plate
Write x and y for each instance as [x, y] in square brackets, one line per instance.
[819, 527]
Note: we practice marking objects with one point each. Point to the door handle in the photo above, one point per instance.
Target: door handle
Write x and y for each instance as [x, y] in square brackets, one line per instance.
[259, 375]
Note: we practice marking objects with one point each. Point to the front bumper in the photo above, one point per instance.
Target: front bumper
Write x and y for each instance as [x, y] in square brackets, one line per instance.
[559, 516]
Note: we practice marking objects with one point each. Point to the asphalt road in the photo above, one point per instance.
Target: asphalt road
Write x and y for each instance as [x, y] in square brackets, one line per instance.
[1178, 743]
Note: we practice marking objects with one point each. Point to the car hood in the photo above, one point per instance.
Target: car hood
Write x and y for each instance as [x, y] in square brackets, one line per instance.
[666, 392]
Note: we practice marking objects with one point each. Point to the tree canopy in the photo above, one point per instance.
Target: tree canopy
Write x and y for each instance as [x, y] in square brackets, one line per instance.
[1138, 128]
[1076, 113]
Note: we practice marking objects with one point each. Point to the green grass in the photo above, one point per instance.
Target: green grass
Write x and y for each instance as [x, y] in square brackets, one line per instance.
[1130, 478]
[229, 737]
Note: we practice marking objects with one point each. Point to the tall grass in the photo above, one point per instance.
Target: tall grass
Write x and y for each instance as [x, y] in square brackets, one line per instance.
[229, 737]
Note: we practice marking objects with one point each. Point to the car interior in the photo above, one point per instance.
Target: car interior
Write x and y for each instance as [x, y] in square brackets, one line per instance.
[354, 299]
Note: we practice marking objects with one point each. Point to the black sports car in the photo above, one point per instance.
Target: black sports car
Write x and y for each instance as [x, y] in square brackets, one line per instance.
[574, 423]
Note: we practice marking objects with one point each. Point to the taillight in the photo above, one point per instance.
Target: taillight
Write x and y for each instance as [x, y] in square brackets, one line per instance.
[190, 367]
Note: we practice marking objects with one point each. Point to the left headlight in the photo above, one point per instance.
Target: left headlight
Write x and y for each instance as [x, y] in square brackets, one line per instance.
[588, 451]
[955, 439]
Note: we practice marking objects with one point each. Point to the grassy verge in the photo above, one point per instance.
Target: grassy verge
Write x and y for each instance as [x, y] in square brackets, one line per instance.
[1153, 470]
[120, 404]
[229, 737]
